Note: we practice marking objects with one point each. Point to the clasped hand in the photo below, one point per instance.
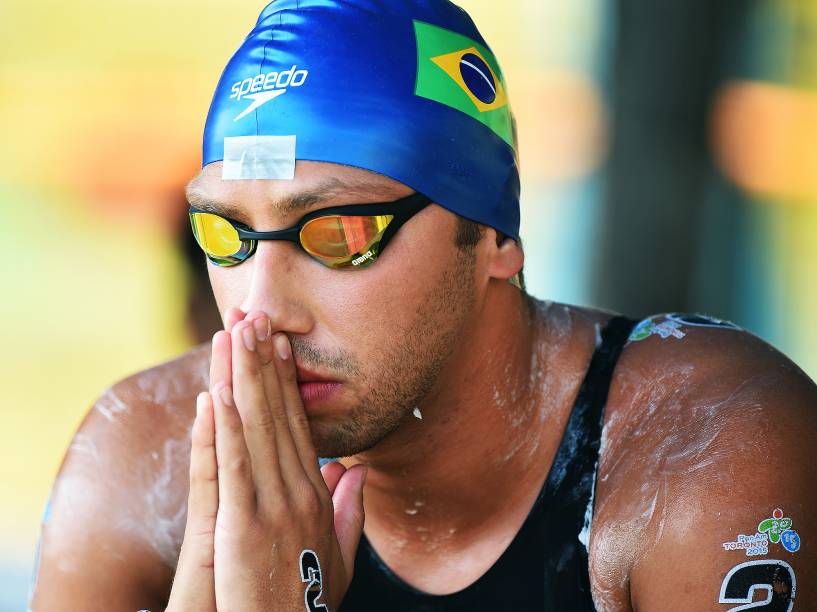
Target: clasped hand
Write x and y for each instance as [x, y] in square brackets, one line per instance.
[266, 528]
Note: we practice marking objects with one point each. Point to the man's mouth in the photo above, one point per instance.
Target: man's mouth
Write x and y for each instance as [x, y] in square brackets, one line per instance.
[314, 392]
[315, 387]
[305, 375]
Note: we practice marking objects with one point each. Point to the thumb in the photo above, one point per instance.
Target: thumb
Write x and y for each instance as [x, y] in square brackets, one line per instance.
[193, 584]
[348, 503]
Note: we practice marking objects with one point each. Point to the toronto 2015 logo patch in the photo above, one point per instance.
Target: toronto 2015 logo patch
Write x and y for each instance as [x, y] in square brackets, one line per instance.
[779, 530]
[774, 530]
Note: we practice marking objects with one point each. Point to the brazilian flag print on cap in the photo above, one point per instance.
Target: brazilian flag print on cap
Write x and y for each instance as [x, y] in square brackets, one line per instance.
[457, 71]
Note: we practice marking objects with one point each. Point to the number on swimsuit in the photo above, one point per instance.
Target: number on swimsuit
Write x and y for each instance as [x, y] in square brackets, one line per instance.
[773, 576]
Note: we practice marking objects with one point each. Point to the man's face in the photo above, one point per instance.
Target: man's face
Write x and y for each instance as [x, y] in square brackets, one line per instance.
[383, 332]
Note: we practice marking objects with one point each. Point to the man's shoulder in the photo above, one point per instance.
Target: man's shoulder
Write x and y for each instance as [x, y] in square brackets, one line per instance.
[119, 500]
[140, 425]
[571, 326]
[135, 439]
[163, 393]
[697, 388]
[698, 344]
[169, 381]
[701, 419]
[693, 368]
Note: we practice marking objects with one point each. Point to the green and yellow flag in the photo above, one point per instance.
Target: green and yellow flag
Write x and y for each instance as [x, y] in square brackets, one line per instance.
[457, 71]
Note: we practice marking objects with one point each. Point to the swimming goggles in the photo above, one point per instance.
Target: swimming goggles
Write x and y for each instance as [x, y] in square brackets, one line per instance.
[348, 236]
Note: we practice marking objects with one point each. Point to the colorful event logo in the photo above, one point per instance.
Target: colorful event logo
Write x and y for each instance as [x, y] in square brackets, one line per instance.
[672, 323]
[457, 71]
[696, 320]
[776, 530]
[648, 327]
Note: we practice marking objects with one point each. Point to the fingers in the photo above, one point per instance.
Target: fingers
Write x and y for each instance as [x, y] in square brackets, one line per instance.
[236, 491]
[220, 369]
[258, 358]
[193, 584]
[232, 316]
[259, 421]
[331, 473]
[202, 503]
[349, 516]
[287, 379]
[276, 431]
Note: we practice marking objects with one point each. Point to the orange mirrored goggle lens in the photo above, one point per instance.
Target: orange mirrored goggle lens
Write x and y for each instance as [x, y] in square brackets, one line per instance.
[340, 241]
[337, 241]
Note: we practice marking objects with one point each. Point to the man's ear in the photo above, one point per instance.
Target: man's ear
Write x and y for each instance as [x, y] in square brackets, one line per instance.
[505, 258]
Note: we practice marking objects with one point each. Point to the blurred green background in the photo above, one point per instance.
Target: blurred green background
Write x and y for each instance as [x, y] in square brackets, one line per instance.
[668, 163]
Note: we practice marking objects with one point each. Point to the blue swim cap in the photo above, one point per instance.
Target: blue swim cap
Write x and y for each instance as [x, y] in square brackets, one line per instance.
[408, 89]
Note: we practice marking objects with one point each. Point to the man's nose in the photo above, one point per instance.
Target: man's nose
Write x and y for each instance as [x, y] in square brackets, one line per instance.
[275, 287]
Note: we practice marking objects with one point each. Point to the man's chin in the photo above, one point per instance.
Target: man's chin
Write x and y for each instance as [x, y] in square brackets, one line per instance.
[334, 438]
[336, 447]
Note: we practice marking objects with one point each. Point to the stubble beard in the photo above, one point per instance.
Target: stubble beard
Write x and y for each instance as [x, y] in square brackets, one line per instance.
[409, 367]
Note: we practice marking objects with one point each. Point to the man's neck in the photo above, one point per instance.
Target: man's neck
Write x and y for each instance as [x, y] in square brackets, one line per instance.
[480, 450]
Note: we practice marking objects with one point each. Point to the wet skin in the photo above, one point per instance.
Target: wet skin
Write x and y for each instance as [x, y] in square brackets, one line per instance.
[704, 435]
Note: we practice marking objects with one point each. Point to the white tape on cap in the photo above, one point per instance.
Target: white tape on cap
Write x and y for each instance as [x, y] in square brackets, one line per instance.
[258, 157]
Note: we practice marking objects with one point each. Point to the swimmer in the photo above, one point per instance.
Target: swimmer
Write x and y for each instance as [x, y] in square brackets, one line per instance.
[358, 208]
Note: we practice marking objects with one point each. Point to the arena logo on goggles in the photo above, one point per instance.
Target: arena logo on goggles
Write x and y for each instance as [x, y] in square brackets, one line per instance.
[265, 87]
[359, 260]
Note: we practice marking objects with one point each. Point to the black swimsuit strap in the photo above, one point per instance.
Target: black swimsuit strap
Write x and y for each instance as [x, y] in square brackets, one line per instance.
[596, 384]
[568, 495]
[578, 452]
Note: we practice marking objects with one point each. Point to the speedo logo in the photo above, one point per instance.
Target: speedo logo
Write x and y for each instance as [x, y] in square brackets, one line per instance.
[264, 87]
[359, 260]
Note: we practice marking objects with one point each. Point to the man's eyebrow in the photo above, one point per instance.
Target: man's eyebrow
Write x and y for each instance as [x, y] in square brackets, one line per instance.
[285, 206]
[321, 193]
